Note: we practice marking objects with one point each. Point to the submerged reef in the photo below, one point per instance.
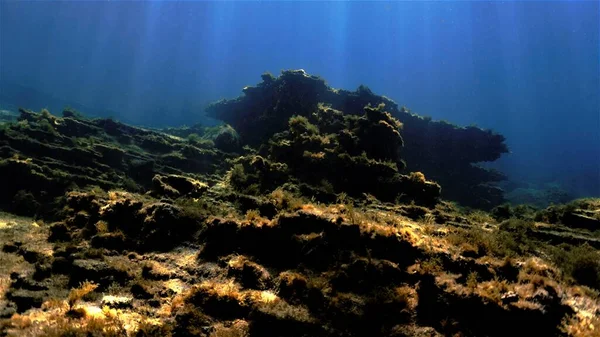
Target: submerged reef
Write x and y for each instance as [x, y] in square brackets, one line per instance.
[445, 153]
[312, 221]
[540, 197]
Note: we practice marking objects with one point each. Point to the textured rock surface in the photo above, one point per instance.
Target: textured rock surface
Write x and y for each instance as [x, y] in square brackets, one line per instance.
[445, 153]
[353, 154]
[46, 155]
[310, 270]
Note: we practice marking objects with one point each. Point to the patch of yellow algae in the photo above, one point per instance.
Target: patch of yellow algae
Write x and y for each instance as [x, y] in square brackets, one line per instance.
[265, 301]
[312, 209]
[262, 296]
[228, 289]
[388, 224]
[236, 262]
[582, 326]
[176, 285]
[92, 311]
[186, 258]
[237, 328]
[232, 290]
[130, 320]
[54, 320]
[21, 161]
[6, 224]
[404, 233]
[257, 222]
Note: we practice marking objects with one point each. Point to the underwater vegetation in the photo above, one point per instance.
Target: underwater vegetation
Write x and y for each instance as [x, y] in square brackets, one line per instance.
[313, 212]
[445, 153]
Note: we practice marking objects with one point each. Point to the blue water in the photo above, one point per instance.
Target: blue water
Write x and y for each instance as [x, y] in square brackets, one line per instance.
[529, 70]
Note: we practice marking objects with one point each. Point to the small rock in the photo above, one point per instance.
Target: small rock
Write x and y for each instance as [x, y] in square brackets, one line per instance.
[59, 232]
[79, 220]
[250, 274]
[115, 241]
[227, 139]
[21, 281]
[97, 271]
[67, 252]
[42, 271]
[89, 265]
[32, 256]
[149, 271]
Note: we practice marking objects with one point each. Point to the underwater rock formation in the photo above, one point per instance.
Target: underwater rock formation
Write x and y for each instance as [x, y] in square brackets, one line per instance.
[540, 197]
[122, 221]
[352, 154]
[324, 228]
[445, 153]
[46, 155]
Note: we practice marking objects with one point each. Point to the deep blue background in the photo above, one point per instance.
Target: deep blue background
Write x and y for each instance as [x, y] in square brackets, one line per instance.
[529, 70]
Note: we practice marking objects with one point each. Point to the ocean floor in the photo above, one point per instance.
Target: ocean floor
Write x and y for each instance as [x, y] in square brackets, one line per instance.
[326, 221]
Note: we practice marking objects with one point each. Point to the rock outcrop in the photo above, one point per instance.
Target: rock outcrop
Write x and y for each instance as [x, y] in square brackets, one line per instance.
[321, 226]
[445, 153]
[46, 155]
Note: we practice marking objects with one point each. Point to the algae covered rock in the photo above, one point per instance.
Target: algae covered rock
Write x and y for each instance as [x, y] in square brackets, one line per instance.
[124, 221]
[266, 108]
[352, 154]
[177, 185]
[445, 153]
[253, 174]
[227, 139]
[580, 213]
[46, 155]
[222, 137]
